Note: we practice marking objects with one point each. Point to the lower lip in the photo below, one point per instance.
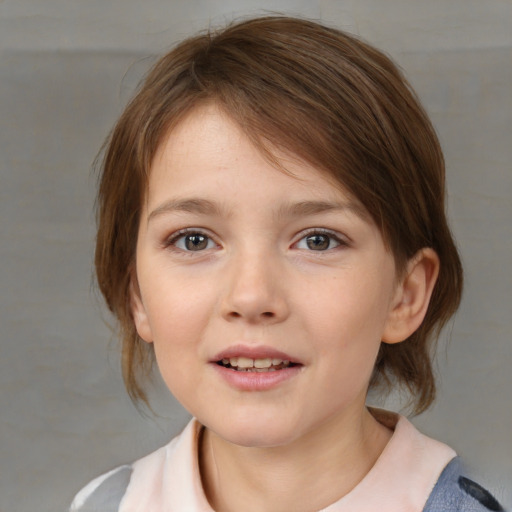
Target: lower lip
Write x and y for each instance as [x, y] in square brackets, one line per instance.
[256, 381]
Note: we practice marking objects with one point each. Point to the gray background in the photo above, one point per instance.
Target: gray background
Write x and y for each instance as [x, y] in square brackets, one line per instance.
[67, 67]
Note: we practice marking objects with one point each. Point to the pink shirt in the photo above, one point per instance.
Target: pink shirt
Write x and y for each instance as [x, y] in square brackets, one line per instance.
[401, 480]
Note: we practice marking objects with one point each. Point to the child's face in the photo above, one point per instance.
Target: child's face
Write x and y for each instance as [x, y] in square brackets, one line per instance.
[238, 259]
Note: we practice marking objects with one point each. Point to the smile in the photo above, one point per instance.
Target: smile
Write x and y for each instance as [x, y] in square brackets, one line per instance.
[246, 364]
[247, 367]
[258, 373]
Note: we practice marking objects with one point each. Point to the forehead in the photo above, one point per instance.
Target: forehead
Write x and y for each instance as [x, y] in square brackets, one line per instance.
[206, 151]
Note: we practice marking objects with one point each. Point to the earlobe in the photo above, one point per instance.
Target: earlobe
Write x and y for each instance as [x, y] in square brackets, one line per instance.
[138, 310]
[412, 296]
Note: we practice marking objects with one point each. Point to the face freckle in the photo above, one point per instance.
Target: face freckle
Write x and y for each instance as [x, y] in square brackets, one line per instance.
[239, 266]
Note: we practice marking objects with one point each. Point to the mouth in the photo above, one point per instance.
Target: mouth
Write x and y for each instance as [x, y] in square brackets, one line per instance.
[262, 365]
[256, 368]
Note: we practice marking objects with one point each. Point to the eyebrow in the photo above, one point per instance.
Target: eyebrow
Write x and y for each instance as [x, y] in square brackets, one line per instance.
[305, 208]
[300, 209]
[190, 205]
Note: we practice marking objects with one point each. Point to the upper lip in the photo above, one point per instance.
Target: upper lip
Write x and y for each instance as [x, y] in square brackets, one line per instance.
[253, 352]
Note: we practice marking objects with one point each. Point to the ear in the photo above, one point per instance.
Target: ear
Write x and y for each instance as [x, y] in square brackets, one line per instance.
[412, 296]
[140, 317]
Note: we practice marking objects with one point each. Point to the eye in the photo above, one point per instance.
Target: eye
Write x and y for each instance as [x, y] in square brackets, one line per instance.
[319, 241]
[191, 241]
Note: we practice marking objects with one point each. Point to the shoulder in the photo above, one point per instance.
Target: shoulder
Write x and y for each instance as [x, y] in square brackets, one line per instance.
[142, 478]
[104, 493]
[455, 492]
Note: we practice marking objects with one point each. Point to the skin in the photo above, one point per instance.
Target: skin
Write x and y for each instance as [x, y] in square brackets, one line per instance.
[258, 280]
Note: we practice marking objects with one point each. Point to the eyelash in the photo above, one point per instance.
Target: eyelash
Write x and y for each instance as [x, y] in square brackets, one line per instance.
[172, 241]
[339, 240]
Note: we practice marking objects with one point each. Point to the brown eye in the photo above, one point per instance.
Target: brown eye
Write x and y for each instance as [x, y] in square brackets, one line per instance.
[192, 241]
[318, 242]
[195, 242]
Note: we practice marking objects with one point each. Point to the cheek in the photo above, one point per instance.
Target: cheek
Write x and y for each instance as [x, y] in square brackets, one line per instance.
[179, 320]
[348, 326]
[176, 323]
[179, 311]
[352, 310]
[175, 304]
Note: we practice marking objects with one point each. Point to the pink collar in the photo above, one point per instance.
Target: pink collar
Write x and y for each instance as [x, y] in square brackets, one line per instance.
[400, 481]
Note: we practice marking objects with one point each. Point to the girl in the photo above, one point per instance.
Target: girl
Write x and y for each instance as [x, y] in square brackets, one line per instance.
[272, 232]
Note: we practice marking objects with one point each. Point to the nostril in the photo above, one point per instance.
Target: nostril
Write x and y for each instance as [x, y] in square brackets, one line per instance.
[268, 314]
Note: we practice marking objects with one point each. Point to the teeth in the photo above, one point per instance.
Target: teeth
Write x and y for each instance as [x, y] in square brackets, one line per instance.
[244, 362]
[263, 363]
[255, 365]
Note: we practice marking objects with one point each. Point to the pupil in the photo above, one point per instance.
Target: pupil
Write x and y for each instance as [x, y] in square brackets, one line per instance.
[317, 242]
[196, 242]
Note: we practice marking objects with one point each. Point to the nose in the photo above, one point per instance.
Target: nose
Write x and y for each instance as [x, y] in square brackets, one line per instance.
[254, 292]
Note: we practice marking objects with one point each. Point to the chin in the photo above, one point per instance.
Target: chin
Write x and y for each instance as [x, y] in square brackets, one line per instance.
[257, 439]
[254, 434]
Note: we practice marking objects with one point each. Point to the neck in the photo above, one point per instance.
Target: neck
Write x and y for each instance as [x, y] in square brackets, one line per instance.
[308, 474]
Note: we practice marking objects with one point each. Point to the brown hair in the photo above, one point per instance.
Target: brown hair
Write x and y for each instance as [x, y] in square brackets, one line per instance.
[326, 96]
